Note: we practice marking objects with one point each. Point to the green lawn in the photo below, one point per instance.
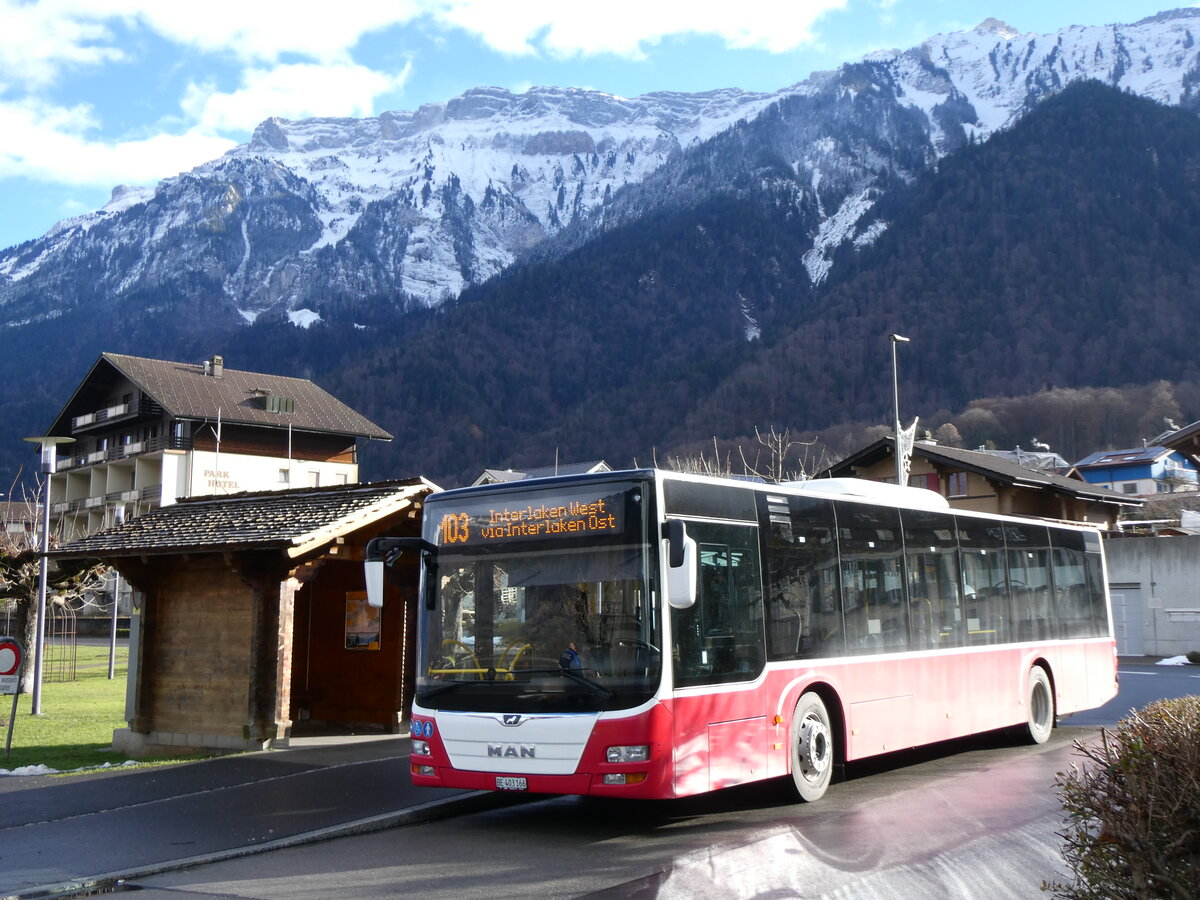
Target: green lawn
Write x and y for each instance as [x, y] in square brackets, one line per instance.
[78, 717]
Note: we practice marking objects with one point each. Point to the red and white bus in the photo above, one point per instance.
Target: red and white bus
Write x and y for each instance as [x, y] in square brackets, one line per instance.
[653, 634]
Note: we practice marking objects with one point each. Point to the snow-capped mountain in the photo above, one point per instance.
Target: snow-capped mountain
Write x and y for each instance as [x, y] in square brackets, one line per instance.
[343, 217]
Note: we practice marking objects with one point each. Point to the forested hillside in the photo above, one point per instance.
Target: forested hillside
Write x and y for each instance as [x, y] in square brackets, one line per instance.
[1059, 254]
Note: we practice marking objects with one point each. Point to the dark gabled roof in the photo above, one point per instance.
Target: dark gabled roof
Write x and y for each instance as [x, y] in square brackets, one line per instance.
[984, 464]
[184, 391]
[1042, 460]
[296, 521]
[1186, 440]
[581, 468]
[1133, 456]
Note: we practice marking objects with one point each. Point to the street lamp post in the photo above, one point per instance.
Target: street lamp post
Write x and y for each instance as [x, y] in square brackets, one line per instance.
[118, 519]
[897, 339]
[49, 447]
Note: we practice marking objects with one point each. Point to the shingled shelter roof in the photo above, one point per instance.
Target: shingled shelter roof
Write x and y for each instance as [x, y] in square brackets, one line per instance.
[192, 391]
[296, 521]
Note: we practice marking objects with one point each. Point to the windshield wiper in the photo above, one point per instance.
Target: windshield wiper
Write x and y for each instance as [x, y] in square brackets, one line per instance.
[442, 688]
[577, 677]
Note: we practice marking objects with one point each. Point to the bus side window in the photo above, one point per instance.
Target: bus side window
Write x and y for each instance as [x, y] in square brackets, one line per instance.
[874, 602]
[804, 600]
[931, 542]
[1028, 582]
[1081, 608]
[984, 581]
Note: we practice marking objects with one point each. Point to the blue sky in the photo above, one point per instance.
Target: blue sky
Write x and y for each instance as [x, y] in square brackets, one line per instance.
[96, 93]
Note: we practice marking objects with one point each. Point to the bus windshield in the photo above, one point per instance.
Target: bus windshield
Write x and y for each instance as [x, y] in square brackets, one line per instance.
[551, 625]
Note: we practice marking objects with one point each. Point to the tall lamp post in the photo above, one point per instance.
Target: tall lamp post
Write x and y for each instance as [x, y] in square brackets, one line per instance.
[897, 339]
[118, 519]
[49, 446]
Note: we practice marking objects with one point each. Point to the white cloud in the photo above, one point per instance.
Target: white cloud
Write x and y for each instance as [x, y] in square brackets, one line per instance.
[51, 143]
[628, 27]
[37, 42]
[49, 33]
[42, 36]
[290, 92]
[259, 31]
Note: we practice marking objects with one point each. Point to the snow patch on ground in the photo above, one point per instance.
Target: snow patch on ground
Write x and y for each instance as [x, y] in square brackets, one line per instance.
[752, 330]
[870, 234]
[46, 770]
[303, 318]
[834, 231]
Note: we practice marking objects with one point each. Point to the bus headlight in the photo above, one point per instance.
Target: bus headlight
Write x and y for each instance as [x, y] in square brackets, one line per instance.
[625, 778]
[420, 748]
[631, 753]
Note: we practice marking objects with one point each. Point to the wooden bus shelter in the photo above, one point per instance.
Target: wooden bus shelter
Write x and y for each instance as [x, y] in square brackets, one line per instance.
[253, 615]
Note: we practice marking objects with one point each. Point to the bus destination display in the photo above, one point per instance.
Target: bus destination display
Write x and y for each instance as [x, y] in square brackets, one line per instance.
[542, 516]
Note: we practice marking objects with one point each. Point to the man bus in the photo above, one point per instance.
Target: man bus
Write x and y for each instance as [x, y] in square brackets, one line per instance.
[654, 634]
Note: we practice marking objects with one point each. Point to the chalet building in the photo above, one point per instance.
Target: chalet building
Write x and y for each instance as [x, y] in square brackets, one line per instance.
[148, 432]
[1140, 471]
[253, 616]
[983, 482]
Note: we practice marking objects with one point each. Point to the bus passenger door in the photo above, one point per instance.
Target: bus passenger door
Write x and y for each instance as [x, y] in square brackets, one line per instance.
[720, 734]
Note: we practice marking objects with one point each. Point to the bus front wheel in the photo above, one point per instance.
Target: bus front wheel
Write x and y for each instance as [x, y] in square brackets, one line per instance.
[812, 748]
[1040, 699]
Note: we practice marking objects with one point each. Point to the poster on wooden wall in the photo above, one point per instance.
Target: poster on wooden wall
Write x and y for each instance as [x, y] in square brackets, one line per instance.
[362, 622]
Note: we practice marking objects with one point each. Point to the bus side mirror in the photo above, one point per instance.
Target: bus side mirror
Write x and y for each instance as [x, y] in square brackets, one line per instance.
[681, 566]
[383, 552]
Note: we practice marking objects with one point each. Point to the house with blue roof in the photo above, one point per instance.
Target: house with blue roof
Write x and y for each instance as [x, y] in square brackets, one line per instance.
[1141, 472]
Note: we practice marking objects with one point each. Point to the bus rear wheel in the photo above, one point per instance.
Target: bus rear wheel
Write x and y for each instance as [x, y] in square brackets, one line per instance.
[812, 748]
[1040, 699]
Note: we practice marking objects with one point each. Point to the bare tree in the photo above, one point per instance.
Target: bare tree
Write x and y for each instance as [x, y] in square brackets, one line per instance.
[777, 456]
[779, 464]
[68, 581]
[701, 464]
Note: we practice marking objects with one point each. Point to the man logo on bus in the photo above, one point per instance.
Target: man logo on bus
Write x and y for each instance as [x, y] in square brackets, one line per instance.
[511, 719]
[513, 751]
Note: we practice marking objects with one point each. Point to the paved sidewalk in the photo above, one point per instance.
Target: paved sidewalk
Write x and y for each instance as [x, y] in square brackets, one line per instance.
[65, 836]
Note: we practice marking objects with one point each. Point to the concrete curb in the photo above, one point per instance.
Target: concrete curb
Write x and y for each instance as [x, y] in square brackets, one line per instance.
[110, 882]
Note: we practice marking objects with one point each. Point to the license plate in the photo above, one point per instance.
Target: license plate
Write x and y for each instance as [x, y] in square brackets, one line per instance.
[511, 784]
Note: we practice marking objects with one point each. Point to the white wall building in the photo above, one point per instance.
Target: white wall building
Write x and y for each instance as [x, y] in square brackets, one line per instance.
[148, 432]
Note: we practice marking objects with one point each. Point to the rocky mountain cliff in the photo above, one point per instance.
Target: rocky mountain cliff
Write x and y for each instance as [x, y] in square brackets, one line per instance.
[349, 220]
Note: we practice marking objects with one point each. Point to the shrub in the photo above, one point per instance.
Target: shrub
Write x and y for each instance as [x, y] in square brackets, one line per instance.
[1193, 656]
[1132, 809]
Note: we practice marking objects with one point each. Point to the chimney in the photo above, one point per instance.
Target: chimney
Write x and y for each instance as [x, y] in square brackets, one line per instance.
[215, 366]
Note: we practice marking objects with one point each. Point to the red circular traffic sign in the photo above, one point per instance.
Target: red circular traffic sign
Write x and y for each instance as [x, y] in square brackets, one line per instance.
[10, 657]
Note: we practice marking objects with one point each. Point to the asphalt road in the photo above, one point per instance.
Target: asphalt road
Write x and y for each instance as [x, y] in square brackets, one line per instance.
[1141, 684]
[974, 818]
[968, 819]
